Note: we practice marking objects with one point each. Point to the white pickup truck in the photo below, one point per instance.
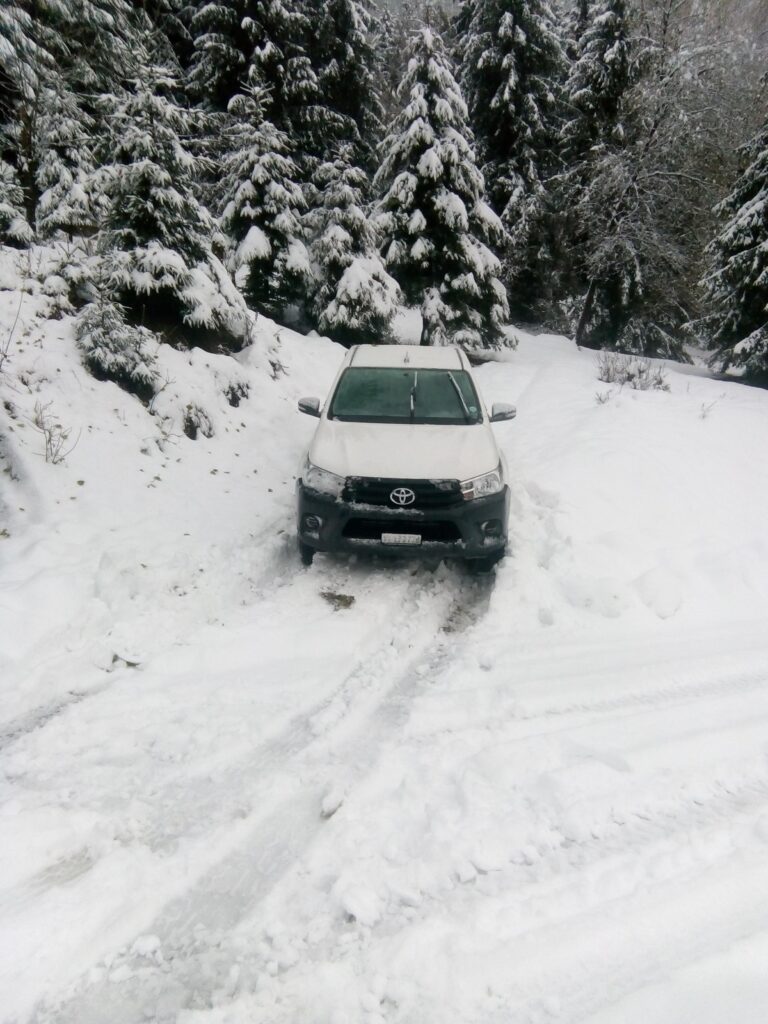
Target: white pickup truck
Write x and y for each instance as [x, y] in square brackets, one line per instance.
[404, 459]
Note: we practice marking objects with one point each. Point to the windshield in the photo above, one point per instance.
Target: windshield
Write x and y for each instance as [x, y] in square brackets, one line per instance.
[377, 394]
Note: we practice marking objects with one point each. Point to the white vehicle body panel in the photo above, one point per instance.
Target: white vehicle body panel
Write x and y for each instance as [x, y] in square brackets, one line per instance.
[404, 450]
[408, 451]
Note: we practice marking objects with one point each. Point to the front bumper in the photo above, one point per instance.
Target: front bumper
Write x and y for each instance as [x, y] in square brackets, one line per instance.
[469, 529]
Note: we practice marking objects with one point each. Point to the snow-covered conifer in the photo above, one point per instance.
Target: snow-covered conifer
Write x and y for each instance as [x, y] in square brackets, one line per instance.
[158, 240]
[65, 166]
[738, 281]
[575, 20]
[262, 214]
[513, 65]
[436, 224]
[14, 227]
[389, 54]
[342, 52]
[278, 61]
[598, 80]
[594, 170]
[221, 47]
[55, 58]
[115, 350]
[355, 297]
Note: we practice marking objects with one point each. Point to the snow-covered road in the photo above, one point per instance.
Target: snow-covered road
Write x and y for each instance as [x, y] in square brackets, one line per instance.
[234, 790]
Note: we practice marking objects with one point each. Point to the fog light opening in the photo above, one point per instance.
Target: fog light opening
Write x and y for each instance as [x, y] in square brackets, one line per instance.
[312, 524]
[491, 528]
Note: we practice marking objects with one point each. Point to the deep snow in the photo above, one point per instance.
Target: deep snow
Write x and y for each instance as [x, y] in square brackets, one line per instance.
[229, 795]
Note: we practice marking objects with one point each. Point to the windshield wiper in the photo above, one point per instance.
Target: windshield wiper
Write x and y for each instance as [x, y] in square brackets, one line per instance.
[467, 415]
[413, 393]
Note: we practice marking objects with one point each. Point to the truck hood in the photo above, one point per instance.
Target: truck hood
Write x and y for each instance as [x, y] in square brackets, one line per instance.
[404, 451]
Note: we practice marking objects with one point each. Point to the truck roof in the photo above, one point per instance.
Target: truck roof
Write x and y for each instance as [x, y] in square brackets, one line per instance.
[425, 357]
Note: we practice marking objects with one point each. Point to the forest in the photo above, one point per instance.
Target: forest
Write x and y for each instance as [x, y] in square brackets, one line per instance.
[597, 168]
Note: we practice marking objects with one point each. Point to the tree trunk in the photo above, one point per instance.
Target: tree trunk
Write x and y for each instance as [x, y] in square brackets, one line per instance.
[589, 301]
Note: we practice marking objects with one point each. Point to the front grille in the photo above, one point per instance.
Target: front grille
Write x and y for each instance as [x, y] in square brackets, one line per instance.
[430, 494]
[359, 528]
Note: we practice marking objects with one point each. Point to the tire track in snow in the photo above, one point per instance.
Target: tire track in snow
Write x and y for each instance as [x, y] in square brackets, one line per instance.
[194, 958]
[663, 899]
[592, 885]
[39, 717]
[676, 695]
[272, 575]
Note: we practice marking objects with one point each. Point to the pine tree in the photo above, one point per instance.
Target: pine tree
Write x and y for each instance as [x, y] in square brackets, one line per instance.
[277, 33]
[594, 138]
[388, 69]
[262, 214]
[14, 227]
[355, 298]
[342, 52]
[65, 166]
[576, 20]
[738, 280]
[513, 65]
[54, 58]
[115, 350]
[170, 21]
[435, 221]
[598, 80]
[221, 47]
[157, 242]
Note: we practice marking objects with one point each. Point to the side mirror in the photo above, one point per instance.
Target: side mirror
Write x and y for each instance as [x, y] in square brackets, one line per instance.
[502, 411]
[311, 406]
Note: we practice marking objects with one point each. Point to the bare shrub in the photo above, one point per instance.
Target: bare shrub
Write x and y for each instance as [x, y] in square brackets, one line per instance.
[640, 374]
[56, 437]
[7, 341]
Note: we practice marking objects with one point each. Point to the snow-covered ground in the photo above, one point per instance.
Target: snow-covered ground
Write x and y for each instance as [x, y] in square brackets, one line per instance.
[234, 790]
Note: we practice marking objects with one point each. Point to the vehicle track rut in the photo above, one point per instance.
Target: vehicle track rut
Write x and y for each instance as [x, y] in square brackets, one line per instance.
[286, 779]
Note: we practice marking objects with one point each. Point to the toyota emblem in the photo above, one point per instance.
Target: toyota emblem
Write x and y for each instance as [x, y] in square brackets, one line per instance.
[402, 496]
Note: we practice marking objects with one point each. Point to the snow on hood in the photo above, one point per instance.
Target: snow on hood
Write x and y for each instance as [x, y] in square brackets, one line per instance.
[409, 451]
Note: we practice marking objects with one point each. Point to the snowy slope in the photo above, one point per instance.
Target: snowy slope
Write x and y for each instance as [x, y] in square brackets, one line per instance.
[226, 797]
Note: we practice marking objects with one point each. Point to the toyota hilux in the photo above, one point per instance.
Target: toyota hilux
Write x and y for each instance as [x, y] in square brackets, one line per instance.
[404, 460]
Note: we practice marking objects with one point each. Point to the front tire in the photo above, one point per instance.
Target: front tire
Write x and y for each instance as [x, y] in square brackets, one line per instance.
[306, 553]
[483, 566]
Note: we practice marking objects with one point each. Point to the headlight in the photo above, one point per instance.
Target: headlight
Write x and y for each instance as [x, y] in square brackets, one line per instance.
[483, 486]
[322, 480]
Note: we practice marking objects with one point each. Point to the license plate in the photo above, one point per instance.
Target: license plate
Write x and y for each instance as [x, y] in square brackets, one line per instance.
[401, 538]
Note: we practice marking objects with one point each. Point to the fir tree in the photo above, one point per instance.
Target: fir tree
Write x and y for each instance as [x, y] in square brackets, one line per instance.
[277, 61]
[738, 280]
[171, 23]
[115, 350]
[594, 137]
[221, 46]
[436, 224]
[598, 80]
[513, 65]
[157, 241]
[576, 20]
[355, 298]
[342, 53]
[389, 52]
[263, 206]
[56, 57]
[65, 166]
[14, 227]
